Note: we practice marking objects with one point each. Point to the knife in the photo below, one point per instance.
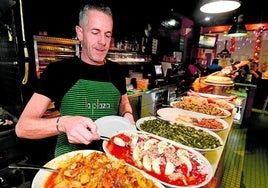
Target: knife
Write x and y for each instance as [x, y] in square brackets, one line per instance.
[31, 166]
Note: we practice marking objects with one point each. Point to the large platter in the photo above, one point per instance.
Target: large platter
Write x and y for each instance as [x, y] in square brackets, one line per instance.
[224, 113]
[186, 117]
[210, 82]
[110, 125]
[42, 175]
[145, 151]
[203, 141]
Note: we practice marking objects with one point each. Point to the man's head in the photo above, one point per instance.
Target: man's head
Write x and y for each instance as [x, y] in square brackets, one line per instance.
[95, 32]
[254, 66]
[94, 5]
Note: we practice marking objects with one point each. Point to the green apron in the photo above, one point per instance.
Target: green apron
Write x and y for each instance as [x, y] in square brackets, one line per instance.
[89, 99]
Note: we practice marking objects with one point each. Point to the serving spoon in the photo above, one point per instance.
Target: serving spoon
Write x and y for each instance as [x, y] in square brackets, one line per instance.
[31, 166]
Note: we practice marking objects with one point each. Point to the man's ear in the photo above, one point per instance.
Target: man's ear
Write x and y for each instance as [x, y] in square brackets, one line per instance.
[79, 32]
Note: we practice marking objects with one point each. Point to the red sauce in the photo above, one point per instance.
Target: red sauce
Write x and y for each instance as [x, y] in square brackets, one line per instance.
[50, 181]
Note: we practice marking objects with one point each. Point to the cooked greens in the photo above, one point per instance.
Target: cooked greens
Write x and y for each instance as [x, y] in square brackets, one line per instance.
[186, 135]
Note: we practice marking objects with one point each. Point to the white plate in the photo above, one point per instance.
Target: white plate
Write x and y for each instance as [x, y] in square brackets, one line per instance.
[42, 175]
[110, 125]
[172, 114]
[208, 95]
[194, 156]
[142, 120]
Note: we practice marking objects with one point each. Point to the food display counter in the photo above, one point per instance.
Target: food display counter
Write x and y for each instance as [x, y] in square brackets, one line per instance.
[216, 158]
[147, 102]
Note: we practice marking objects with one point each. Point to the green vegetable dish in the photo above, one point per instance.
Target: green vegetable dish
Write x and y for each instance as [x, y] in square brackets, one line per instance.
[186, 135]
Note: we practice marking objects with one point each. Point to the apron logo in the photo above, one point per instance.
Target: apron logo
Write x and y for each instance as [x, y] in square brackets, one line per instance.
[97, 105]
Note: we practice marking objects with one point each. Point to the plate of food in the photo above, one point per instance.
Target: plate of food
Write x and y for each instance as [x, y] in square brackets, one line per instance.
[202, 107]
[91, 168]
[193, 119]
[217, 79]
[194, 137]
[215, 101]
[110, 125]
[168, 162]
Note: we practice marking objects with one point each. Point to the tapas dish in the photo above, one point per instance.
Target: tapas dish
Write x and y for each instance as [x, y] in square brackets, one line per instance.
[168, 162]
[202, 106]
[91, 168]
[199, 139]
[193, 119]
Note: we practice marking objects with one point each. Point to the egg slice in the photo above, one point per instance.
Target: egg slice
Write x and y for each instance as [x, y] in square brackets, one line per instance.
[161, 146]
[135, 138]
[169, 168]
[156, 165]
[118, 141]
[136, 153]
[148, 144]
[182, 152]
[187, 162]
[147, 163]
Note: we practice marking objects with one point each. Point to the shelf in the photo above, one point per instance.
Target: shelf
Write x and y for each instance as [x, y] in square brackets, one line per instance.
[51, 49]
[55, 40]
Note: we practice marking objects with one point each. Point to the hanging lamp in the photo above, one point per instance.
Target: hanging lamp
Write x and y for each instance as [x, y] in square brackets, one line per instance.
[238, 29]
[219, 6]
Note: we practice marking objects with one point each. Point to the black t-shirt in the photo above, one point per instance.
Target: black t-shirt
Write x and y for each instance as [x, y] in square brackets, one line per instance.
[60, 76]
[254, 80]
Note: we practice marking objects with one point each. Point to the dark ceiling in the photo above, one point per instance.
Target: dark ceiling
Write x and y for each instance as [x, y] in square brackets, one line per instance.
[59, 17]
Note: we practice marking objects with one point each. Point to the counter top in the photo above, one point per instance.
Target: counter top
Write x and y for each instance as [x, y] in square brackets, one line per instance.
[137, 92]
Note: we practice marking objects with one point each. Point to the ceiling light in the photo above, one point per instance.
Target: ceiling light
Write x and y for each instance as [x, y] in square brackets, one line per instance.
[238, 29]
[219, 6]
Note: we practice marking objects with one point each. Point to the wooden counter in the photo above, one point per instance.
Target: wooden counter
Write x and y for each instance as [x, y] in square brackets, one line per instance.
[216, 158]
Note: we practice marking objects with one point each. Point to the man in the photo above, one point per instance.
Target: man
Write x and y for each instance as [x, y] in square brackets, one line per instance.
[214, 66]
[256, 77]
[83, 89]
[256, 74]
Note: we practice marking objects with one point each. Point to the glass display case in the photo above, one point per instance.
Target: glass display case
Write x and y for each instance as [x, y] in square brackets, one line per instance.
[128, 57]
[245, 95]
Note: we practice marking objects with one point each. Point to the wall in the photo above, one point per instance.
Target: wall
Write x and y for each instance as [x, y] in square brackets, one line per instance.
[243, 46]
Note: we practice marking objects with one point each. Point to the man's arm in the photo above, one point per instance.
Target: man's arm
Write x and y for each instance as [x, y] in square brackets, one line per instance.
[125, 109]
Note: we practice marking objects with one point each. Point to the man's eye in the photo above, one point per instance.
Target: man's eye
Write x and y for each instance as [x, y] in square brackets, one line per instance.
[108, 35]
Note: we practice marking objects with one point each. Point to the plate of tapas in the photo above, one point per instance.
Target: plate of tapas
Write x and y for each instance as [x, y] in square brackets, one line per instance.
[168, 162]
[193, 119]
[91, 168]
[210, 99]
[202, 106]
[194, 137]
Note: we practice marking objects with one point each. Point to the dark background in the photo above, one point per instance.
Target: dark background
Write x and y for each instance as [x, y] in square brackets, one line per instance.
[59, 17]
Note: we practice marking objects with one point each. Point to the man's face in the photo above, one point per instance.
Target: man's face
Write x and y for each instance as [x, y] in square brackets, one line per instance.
[95, 36]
